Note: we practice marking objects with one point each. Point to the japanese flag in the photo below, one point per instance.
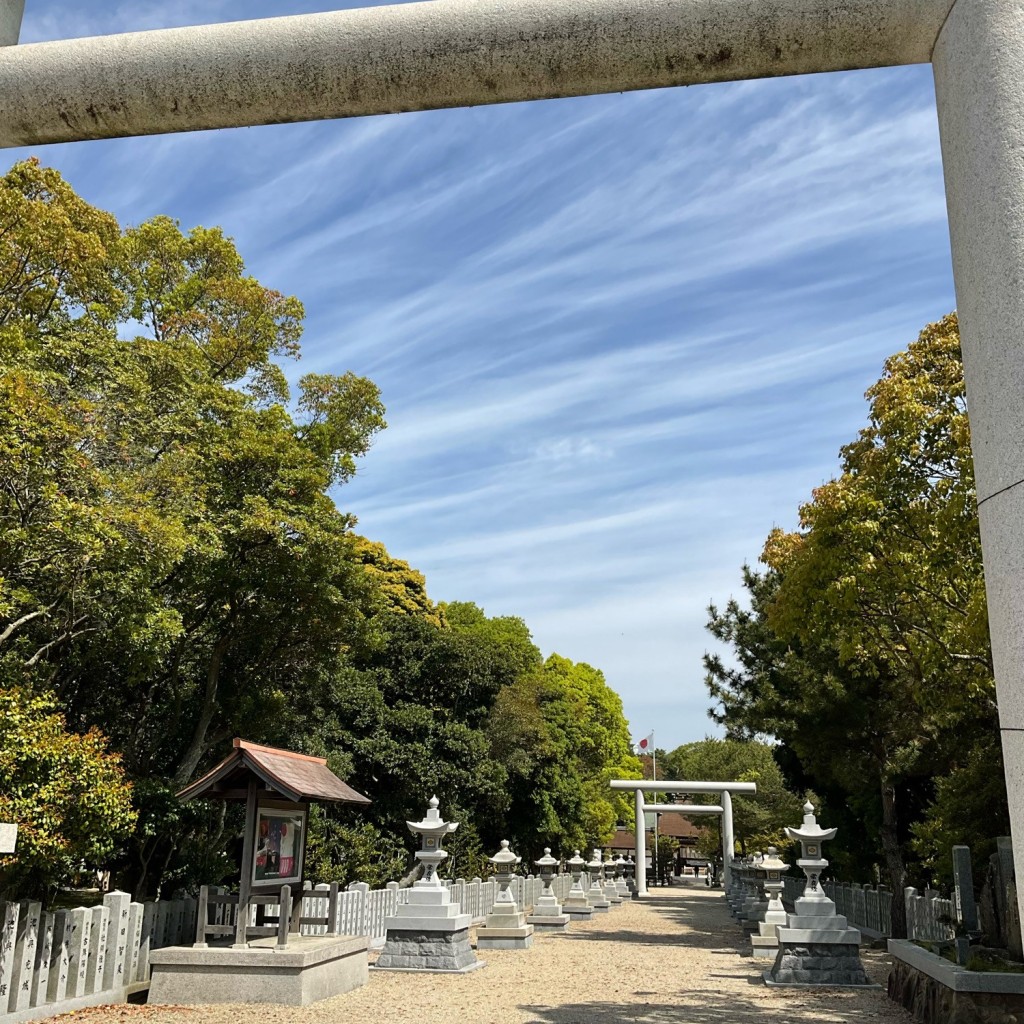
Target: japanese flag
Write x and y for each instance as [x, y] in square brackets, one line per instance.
[646, 745]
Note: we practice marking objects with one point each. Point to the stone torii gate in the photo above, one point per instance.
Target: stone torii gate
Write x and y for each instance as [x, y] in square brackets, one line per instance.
[724, 809]
[449, 53]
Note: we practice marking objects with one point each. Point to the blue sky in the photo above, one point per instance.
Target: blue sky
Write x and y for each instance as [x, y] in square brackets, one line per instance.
[619, 337]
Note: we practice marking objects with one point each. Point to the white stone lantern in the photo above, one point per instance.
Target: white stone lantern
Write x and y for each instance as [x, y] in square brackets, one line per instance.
[505, 863]
[505, 926]
[547, 865]
[811, 836]
[576, 903]
[547, 911]
[428, 932]
[431, 830]
[620, 877]
[611, 888]
[630, 869]
[771, 869]
[595, 894]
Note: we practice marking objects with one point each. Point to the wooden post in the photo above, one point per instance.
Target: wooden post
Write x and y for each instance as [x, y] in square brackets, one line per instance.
[284, 914]
[201, 915]
[248, 853]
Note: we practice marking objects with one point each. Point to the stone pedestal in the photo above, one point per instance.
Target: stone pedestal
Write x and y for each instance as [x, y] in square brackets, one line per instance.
[817, 947]
[428, 934]
[832, 964]
[504, 927]
[309, 968]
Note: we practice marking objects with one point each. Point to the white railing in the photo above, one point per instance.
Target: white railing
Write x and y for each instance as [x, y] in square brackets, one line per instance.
[56, 962]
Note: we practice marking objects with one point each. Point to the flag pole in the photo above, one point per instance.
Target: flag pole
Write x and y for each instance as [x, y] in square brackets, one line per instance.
[654, 772]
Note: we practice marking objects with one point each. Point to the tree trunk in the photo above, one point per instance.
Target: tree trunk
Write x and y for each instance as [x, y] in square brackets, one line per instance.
[893, 860]
[197, 745]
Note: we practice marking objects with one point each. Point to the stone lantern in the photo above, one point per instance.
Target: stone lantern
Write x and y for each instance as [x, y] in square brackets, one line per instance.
[611, 888]
[595, 894]
[756, 903]
[630, 869]
[620, 877]
[547, 912]
[576, 904]
[811, 836]
[505, 926]
[432, 831]
[766, 942]
[816, 945]
[429, 932]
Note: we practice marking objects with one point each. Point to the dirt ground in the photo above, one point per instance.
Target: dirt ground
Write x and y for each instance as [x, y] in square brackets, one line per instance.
[676, 958]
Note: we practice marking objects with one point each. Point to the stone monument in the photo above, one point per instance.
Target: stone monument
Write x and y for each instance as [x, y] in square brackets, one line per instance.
[766, 942]
[429, 932]
[595, 894]
[505, 926]
[547, 913]
[816, 945]
[576, 904]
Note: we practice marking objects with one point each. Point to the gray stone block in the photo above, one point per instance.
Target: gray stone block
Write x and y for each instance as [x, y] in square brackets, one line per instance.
[312, 968]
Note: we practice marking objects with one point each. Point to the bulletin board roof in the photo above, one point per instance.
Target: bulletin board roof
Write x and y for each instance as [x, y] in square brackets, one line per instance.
[296, 777]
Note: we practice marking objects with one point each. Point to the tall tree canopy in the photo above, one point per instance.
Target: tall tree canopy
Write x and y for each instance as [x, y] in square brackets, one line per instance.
[865, 647]
[758, 821]
[174, 571]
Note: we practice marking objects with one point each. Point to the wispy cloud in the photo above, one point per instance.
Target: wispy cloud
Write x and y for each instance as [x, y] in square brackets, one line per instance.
[619, 337]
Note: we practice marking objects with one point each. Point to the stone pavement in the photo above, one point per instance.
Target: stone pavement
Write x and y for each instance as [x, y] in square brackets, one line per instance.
[675, 958]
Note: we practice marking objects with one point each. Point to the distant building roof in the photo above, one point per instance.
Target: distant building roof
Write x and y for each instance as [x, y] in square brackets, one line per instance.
[296, 777]
[670, 823]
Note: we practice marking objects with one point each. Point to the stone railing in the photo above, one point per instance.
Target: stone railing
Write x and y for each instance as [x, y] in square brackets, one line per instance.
[66, 960]
[929, 916]
[54, 962]
[866, 907]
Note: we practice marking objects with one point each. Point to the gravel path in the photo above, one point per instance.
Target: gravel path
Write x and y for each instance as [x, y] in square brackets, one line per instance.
[677, 958]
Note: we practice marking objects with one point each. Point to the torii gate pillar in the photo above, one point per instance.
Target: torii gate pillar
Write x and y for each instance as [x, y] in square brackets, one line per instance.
[978, 63]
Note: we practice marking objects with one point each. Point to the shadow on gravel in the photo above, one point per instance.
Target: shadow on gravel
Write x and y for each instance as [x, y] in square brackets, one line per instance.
[709, 1007]
[696, 939]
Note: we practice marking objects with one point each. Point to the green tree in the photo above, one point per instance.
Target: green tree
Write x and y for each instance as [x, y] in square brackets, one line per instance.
[758, 821]
[67, 793]
[865, 650]
[561, 733]
[172, 565]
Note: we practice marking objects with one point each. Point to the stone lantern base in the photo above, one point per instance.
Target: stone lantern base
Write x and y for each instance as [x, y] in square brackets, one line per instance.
[578, 908]
[428, 934]
[548, 915]
[835, 964]
[818, 947]
[504, 927]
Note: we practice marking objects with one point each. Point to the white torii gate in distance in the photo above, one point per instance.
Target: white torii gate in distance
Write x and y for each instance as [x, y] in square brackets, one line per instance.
[724, 809]
[449, 53]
